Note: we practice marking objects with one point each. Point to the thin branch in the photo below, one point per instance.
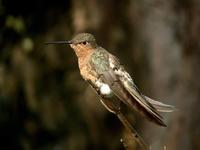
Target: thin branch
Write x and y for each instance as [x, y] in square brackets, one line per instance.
[124, 144]
[131, 129]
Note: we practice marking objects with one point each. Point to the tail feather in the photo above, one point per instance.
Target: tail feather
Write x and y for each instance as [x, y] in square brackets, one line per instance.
[161, 107]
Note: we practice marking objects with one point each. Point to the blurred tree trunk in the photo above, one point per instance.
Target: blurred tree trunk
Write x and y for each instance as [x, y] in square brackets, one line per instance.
[185, 132]
[175, 71]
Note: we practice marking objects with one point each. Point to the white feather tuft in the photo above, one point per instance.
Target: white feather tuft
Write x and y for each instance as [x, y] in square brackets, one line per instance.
[105, 89]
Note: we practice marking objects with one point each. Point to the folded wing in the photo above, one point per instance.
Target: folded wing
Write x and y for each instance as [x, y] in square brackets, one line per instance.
[122, 85]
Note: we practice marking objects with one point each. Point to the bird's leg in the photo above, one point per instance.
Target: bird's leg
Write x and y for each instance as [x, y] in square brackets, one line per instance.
[131, 129]
[93, 86]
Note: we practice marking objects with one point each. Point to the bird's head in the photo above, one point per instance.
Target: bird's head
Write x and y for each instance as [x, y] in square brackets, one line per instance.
[81, 43]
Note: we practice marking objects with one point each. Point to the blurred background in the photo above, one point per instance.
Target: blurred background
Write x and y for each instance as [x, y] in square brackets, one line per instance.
[46, 105]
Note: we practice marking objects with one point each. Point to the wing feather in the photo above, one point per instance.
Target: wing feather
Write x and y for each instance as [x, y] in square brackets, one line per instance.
[124, 86]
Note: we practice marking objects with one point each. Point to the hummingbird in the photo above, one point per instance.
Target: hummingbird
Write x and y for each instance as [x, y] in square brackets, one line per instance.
[108, 77]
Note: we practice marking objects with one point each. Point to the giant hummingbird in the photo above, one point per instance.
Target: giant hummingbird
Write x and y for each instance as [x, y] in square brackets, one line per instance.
[104, 72]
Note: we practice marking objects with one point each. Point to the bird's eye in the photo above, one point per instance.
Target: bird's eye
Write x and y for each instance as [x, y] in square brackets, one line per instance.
[84, 43]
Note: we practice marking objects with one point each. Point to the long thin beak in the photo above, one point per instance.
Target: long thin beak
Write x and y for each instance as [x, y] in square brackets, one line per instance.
[58, 42]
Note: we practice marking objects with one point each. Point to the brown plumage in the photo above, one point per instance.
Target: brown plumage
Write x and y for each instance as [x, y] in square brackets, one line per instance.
[111, 81]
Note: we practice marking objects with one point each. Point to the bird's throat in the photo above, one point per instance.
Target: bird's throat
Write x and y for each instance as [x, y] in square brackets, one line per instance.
[81, 51]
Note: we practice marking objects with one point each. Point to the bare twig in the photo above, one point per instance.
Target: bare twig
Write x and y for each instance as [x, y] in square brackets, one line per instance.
[124, 144]
[133, 132]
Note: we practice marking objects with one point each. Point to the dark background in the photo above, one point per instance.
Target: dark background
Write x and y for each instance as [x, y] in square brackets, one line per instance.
[44, 103]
